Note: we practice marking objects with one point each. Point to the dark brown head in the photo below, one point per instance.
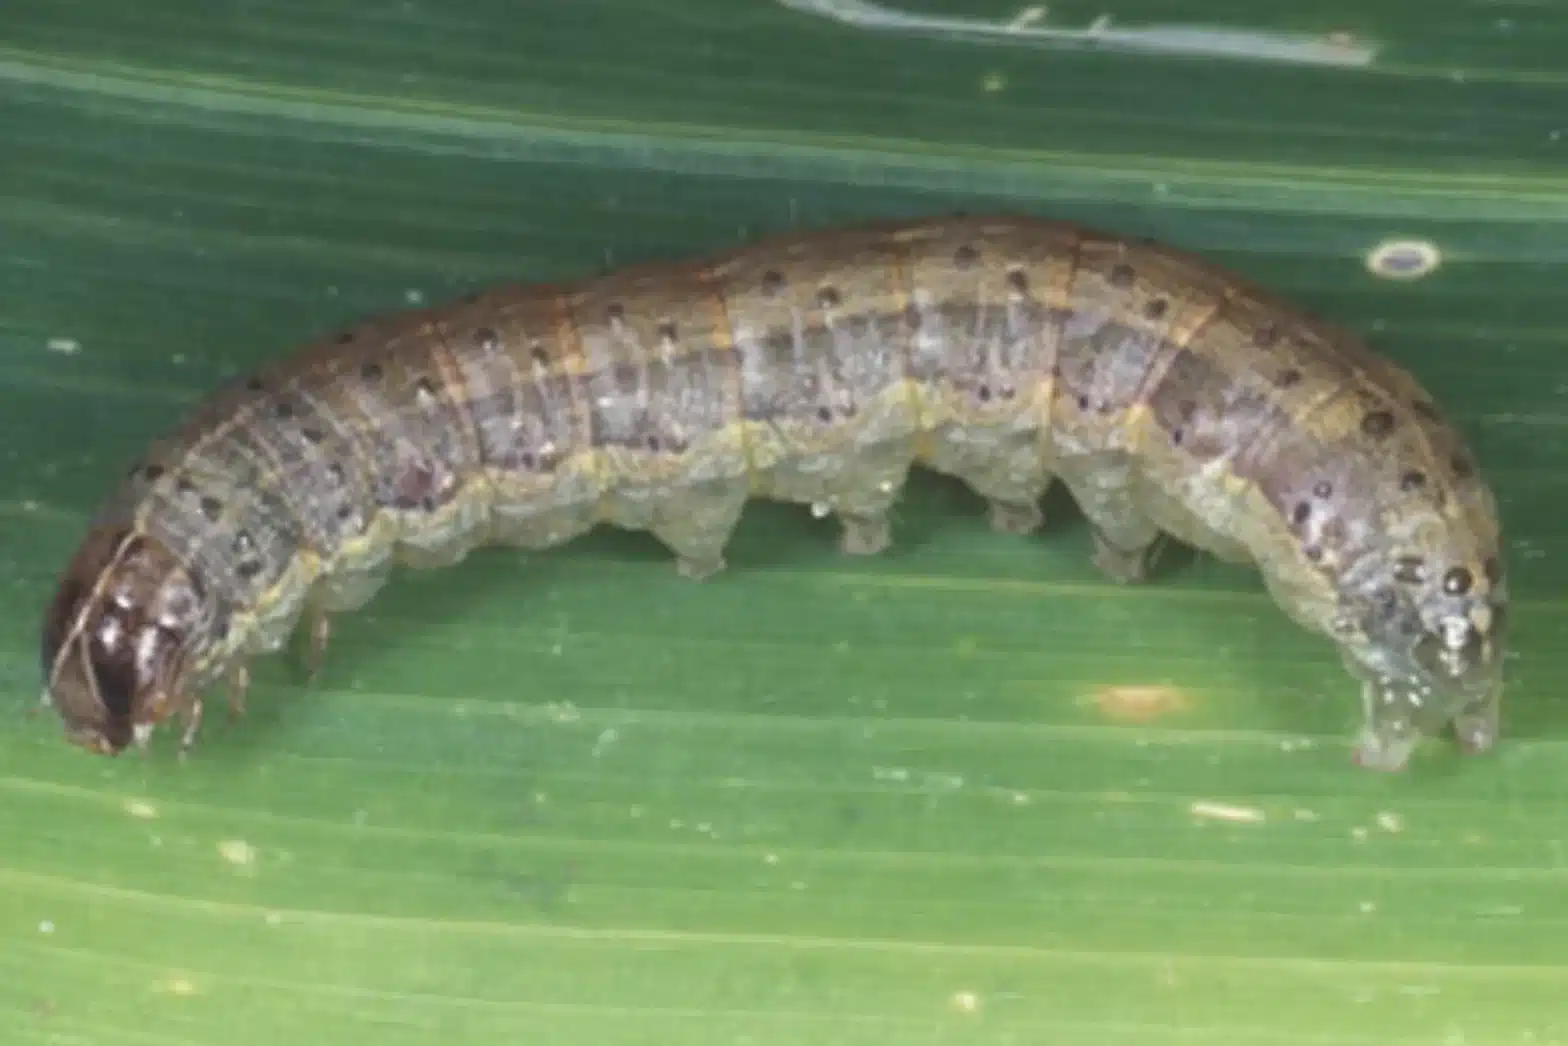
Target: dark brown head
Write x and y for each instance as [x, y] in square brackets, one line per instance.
[115, 639]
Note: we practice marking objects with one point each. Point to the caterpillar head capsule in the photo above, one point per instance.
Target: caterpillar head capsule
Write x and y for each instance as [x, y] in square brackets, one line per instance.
[1429, 650]
[115, 639]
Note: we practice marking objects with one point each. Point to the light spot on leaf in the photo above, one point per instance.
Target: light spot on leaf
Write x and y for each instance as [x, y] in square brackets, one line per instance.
[966, 1002]
[238, 853]
[1404, 259]
[181, 986]
[1212, 811]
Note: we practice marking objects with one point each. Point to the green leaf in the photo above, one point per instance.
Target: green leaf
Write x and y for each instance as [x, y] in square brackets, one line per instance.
[575, 799]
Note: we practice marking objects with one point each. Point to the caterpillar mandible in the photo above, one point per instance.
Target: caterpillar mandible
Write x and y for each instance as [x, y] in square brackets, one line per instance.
[1174, 400]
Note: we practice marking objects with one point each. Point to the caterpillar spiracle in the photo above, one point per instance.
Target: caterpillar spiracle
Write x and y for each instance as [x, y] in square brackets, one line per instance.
[1174, 400]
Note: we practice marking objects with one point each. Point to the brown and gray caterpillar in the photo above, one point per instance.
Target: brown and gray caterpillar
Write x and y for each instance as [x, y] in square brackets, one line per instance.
[1173, 399]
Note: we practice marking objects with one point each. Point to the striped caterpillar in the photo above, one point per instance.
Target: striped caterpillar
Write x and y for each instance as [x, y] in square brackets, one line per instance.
[1174, 401]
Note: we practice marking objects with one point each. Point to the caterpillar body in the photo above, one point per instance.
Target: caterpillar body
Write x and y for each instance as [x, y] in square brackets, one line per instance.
[1174, 400]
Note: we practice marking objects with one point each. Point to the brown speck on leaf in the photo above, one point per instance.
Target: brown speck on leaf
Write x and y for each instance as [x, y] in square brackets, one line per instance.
[1139, 703]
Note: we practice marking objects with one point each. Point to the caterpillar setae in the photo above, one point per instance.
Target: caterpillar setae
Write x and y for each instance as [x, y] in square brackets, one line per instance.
[1173, 399]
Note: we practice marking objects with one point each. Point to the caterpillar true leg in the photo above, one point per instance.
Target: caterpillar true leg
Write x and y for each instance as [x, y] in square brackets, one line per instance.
[318, 637]
[1126, 541]
[1389, 732]
[865, 535]
[239, 689]
[699, 534]
[875, 482]
[1477, 727]
[1126, 566]
[190, 718]
[1015, 517]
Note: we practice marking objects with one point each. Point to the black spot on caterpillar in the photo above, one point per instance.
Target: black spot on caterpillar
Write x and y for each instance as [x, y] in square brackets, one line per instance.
[1172, 398]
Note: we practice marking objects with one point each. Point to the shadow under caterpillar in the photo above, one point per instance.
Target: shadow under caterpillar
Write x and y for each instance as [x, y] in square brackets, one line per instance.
[1173, 399]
